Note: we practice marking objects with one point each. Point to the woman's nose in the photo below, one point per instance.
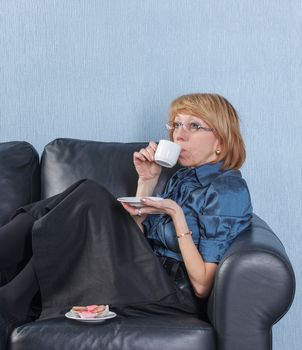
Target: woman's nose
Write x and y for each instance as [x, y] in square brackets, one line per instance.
[180, 134]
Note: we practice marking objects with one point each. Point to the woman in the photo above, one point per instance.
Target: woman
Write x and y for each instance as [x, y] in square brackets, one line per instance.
[88, 250]
[206, 127]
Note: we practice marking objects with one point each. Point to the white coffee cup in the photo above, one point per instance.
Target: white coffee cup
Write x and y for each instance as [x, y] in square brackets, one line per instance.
[167, 153]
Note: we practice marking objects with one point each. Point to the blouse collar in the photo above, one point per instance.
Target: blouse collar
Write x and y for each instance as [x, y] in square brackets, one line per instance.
[204, 173]
[207, 172]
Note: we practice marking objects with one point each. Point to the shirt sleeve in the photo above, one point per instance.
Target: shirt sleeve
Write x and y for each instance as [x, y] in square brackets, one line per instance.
[227, 211]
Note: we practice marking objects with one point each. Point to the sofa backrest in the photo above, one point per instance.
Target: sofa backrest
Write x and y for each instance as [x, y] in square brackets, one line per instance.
[19, 177]
[65, 161]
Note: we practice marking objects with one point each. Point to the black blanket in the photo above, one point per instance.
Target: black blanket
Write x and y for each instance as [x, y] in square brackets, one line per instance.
[88, 250]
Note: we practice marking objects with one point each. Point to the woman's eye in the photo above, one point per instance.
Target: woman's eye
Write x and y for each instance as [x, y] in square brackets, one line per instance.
[195, 126]
[176, 125]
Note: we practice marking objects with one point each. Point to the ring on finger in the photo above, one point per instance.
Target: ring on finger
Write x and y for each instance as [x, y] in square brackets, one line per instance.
[139, 212]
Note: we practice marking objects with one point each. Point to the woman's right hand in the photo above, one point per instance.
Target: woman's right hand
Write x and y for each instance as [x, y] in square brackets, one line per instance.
[144, 163]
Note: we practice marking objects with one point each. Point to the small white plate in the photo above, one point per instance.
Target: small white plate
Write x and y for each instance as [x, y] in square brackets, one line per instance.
[108, 316]
[136, 201]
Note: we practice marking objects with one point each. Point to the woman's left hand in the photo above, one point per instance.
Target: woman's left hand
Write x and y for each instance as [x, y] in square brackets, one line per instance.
[133, 211]
[163, 206]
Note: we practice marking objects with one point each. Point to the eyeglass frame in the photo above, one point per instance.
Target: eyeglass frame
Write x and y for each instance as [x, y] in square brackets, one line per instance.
[184, 126]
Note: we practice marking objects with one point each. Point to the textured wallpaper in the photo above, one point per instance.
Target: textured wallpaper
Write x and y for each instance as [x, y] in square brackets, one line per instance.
[107, 70]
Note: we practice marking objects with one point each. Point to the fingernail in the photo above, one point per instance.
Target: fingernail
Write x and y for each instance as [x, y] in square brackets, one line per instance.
[143, 199]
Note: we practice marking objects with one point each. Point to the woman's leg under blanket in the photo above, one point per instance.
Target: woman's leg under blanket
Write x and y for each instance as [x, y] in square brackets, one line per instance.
[15, 240]
[17, 295]
[89, 250]
[15, 301]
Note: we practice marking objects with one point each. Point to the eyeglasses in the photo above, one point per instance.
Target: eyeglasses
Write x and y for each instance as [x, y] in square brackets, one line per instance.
[190, 127]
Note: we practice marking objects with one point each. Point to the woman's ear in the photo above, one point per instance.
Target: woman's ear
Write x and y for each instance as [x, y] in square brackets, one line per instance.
[218, 148]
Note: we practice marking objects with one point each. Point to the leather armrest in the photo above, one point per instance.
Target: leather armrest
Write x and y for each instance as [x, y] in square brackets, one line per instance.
[19, 185]
[19, 177]
[253, 289]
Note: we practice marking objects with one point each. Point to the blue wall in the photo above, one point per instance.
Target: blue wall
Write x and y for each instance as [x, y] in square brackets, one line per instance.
[107, 70]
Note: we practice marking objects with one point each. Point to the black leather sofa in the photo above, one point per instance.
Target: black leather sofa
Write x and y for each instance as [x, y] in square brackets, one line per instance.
[254, 286]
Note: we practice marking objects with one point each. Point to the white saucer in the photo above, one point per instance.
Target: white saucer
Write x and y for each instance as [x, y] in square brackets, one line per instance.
[136, 201]
[108, 316]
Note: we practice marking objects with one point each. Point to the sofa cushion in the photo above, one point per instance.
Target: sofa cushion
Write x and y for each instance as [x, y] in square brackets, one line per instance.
[65, 161]
[132, 333]
[19, 177]
[19, 185]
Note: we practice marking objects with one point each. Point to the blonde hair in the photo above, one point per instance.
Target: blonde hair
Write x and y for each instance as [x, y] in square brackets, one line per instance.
[218, 113]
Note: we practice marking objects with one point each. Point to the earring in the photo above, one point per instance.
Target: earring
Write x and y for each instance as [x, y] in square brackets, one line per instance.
[217, 152]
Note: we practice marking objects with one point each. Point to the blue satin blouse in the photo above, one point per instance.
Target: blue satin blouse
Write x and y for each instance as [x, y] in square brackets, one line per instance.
[217, 207]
